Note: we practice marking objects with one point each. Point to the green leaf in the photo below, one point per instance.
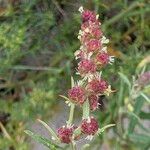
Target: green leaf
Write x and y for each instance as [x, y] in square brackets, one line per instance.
[133, 120]
[144, 115]
[66, 98]
[139, 138]
[49, 129]
[125, 79]
[145, 97]
[69, 122]
[41, 140]
[105, 127]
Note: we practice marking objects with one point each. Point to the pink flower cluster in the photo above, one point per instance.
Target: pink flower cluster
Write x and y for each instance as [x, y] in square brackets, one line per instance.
[92, 57]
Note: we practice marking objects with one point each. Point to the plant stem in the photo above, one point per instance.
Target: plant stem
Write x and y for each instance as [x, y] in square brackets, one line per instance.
[86, 109]
[73, 145]
[71, 114]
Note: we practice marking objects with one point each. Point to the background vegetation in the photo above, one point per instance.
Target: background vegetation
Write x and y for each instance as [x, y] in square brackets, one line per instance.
[37, 42]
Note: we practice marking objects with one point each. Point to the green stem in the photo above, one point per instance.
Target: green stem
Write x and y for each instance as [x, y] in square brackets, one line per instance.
[71, 114]
[73, 145]
[86, 109]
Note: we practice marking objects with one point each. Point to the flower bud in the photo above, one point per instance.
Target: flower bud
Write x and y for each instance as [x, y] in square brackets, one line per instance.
[97, 86]
[93, 101]
[89, 126]
[86, 66]
[93, 45]
[88, 15]
[65, 134]
[77, 95]
[102, 58]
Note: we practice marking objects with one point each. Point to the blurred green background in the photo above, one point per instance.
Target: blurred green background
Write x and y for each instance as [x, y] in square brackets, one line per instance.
[37, 42]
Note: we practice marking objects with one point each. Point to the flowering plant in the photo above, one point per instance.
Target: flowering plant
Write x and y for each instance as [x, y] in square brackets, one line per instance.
[92, 57]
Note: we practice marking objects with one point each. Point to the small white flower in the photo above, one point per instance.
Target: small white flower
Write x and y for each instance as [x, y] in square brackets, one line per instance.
[76, 54]
[88, 120]
[97, 16]
[79, 37]
[89, 137]
[108, 90]
[104, 40]
[87, 30]
[104, 49]
[81, 9]
[80, 83]
[111, 59]
[81, 32]
[98, 75]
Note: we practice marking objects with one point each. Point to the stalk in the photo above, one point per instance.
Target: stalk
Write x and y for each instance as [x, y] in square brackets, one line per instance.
[86, 109]
[71, 114]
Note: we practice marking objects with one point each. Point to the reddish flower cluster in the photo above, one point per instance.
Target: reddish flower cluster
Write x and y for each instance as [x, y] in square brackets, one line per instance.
[97, 86]
[86, 66]
[77, 95]
[65, 134]
[92, 56]
[89, 126]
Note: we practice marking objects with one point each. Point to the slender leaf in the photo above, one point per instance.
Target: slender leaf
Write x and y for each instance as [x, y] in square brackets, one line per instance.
[42, 140]
[66, 98]
[144, 115]
[49, 129]
[139, 138]
[125, 79]
[133, 120]
[105, 127]
[145, 97]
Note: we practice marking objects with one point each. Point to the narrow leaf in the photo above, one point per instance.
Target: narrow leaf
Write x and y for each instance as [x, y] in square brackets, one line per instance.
[139, 138]
[144, 115]
[125, 79]
[69, 122]
[66, 98]
[41, 140]
[133, 120]
[105, 127]
[49, 129]
[145, 97]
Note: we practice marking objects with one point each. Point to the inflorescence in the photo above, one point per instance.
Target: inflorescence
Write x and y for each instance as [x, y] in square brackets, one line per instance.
[92, 57]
